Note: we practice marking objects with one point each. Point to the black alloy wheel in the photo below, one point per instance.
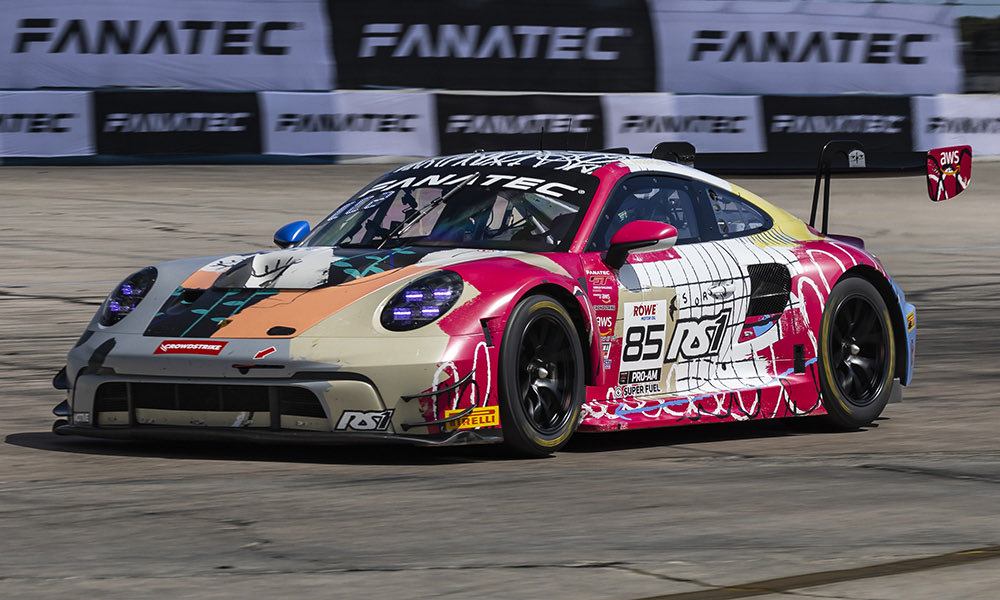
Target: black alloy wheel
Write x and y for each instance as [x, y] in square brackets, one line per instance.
[858, 358]
[541, 377]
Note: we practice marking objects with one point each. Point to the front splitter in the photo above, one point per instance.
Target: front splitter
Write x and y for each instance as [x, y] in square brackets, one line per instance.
[187, 434]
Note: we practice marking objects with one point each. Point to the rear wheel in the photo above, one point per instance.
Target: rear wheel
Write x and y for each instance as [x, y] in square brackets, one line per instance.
[541, 377]
[857, 355]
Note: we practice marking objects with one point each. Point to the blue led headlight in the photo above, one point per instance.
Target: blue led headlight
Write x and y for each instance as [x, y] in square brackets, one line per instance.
[127, 296]
[422, 302]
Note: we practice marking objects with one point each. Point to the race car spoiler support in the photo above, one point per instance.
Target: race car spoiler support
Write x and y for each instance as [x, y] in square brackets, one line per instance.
[855, 154]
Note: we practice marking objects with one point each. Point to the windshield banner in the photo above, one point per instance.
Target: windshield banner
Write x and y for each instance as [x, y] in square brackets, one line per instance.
[712, 47]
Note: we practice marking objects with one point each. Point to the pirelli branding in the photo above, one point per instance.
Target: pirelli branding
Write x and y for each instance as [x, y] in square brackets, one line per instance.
[484, 417]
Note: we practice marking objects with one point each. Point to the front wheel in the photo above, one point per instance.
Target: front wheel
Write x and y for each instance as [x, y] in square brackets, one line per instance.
[857, 355]
[541, 377]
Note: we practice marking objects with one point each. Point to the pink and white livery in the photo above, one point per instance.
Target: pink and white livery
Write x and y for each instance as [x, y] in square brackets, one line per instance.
[510, 297]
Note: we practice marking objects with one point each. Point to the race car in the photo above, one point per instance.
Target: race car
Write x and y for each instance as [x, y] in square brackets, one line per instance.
[507, 297]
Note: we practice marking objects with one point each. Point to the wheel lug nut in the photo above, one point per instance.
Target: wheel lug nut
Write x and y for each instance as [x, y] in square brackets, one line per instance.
[542, 372]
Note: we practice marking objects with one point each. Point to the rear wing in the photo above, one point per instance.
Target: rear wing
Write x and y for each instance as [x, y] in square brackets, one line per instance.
[949, 172]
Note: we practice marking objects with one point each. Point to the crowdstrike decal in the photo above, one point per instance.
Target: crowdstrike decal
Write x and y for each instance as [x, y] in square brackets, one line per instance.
[203, 347]
[134, 36]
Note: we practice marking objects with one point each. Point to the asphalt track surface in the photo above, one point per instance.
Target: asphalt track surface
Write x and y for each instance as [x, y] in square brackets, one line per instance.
[907, 509]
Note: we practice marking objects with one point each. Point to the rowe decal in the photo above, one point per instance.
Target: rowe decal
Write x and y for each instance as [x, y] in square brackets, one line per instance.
[697, 338]
[109, 36]
[815, 46]
[364, 420]
[486, 416]
[449, 40]
[204, 347]
[35, 122]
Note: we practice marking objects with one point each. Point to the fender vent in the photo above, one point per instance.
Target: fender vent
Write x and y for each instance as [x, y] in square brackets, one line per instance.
[770, 286]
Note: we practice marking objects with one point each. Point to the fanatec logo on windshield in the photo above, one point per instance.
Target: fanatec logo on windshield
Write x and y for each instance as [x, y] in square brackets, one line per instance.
[398, 40]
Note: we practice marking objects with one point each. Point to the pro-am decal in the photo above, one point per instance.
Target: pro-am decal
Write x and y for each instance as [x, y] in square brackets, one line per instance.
[204, 347]
[643, 344]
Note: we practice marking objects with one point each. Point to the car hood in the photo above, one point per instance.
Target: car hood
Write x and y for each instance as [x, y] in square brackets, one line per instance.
[282, 293]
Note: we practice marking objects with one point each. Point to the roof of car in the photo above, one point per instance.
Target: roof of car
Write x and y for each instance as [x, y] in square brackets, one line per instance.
[585, 162]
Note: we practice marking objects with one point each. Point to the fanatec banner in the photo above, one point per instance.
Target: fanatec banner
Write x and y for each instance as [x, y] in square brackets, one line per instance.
[712, 47]
[469, 122]
[176, 123]
[956, 121]
[378, 123]
[45, 124]
[204, 44]
[548, 45]
[712, 123]
[805, 124]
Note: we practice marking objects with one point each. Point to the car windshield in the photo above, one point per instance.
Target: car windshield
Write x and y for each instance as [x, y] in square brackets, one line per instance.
[462, 208]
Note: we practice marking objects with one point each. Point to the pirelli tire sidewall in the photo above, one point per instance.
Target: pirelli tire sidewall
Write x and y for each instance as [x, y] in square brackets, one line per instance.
[520, 436]
[842, 410]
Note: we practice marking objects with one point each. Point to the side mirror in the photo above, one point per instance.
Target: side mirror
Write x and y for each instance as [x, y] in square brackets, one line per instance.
[650, 236]
[292, 233]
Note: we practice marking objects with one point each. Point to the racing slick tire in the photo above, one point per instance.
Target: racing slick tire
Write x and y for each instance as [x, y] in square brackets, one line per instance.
[541, 377]
[857, 357]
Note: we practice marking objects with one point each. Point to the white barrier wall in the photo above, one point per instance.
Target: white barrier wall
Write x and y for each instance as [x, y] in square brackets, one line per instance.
[162, 124]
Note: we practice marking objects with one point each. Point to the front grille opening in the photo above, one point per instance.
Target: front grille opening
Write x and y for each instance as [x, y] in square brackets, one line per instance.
[111, 397]
[205, 397]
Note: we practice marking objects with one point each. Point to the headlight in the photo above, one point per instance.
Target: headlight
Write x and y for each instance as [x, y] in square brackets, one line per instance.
[127, 296]
[422, 302]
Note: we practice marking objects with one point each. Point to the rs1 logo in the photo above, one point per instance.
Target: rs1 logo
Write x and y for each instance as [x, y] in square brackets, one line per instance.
[697, 338]
[364, 420]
